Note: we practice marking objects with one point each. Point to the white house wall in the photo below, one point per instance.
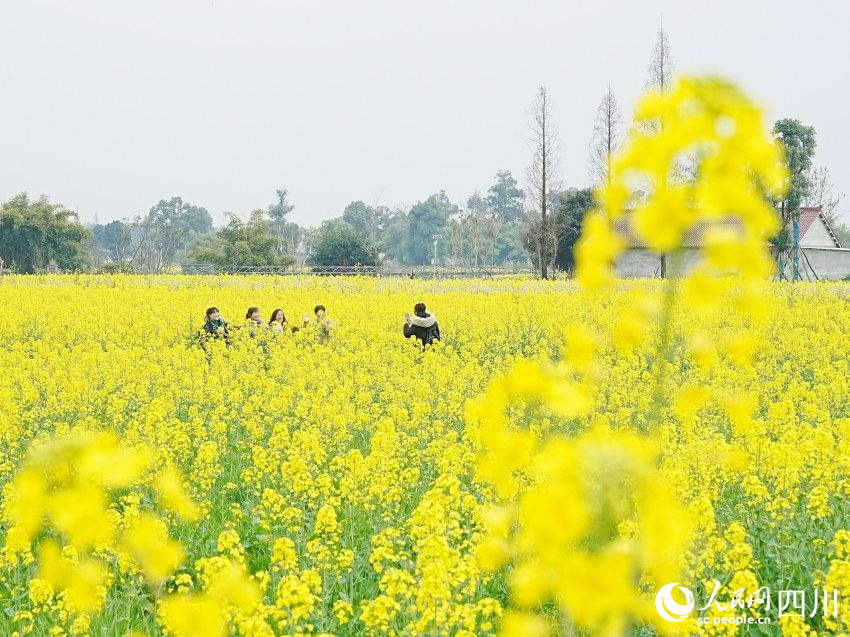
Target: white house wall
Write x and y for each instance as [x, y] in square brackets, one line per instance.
[640, 262]
[828, 263]
[817, 236]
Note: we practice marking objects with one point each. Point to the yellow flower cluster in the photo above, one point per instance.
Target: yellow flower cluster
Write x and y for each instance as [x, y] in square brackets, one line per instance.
[62, 507]
[697, 157]
[544, 469]
[589, 516]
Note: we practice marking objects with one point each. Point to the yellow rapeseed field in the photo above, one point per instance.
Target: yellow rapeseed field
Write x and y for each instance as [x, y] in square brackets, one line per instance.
[339, 475]
[566, 455]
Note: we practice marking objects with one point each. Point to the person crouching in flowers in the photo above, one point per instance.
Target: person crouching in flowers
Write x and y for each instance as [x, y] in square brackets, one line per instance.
[422, 325]
[253, 321]
[278, 323]
[214, 326]
[323, 324]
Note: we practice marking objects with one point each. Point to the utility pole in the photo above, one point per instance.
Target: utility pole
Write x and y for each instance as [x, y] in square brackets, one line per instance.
[780, 258]
[795, 249]
[436, 238]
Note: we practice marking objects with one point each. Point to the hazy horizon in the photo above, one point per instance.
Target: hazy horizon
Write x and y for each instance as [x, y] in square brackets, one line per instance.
[109, 108]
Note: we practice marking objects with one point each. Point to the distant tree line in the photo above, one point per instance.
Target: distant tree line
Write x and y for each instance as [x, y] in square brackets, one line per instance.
[507, 224]
[491, 229]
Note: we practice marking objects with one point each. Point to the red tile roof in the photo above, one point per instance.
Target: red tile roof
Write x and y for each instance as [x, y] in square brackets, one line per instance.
[807, 218]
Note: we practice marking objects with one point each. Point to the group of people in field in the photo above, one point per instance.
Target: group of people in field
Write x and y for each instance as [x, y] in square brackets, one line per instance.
[216, 327]
[421, 325]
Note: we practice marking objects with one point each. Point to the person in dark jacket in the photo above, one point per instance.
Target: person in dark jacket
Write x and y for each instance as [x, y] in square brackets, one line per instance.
[422, 325]
[214, 326]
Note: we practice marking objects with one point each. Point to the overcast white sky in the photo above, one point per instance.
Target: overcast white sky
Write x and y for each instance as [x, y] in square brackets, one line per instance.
[110, 106]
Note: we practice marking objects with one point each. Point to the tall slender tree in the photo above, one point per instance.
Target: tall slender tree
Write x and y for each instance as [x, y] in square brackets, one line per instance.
[455, 236]
[474, 221]
[278, 212]
[799, 143]
[659, 78]
[660, 72]
[543, 181]
[607, 136]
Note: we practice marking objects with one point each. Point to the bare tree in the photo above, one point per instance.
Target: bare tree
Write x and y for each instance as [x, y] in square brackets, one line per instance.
[474, 225]
[147, 253]
[456, 237]
[660, 72]
[473, 229]
[543, 178]
[306, 244]
[493, 223]
[607, 136]
[822, 193]
[659, 78]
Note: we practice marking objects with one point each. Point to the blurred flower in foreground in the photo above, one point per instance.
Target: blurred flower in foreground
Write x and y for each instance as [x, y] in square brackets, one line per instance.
[706, 162]
[586, 521]
[63, 498]
[592, 530]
